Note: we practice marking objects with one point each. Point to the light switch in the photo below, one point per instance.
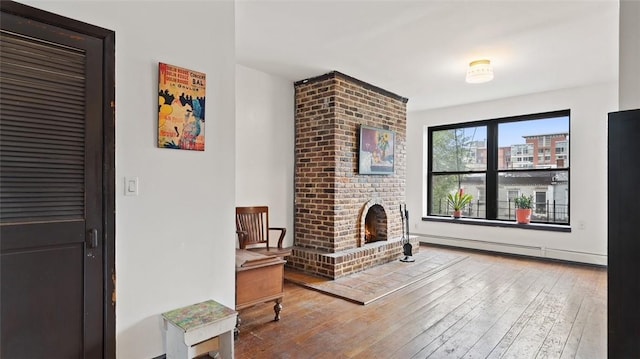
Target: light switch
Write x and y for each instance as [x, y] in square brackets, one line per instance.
[131, 186]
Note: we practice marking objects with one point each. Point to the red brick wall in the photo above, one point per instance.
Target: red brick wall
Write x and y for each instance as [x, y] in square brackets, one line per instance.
[329, 193]
[315, 164]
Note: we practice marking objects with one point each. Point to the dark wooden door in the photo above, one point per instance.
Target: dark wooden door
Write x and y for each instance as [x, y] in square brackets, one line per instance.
[52, 266]
[623, 235]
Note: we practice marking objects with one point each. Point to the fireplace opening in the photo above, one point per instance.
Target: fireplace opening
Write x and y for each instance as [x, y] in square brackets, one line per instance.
[375, 224]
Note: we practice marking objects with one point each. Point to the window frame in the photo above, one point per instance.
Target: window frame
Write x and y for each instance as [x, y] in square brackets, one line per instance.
[491, 172]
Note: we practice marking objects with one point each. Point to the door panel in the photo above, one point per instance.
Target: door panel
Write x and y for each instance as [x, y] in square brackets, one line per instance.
[42, 309]
[51, 155]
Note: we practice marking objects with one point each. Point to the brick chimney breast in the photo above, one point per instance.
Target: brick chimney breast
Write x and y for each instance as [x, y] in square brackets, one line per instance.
[330, 194]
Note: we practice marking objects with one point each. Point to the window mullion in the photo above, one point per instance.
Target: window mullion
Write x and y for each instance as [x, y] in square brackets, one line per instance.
[430, 172]
[492, 173]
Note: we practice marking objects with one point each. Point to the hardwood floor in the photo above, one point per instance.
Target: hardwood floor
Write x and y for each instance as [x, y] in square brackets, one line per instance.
[486, 306]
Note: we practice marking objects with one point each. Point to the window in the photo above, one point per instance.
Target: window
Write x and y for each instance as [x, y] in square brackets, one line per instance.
[540, 202]
[497, 160]
[480, 194]
[454, 166]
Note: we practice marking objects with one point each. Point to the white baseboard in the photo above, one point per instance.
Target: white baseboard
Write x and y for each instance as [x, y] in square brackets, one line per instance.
[532, 251]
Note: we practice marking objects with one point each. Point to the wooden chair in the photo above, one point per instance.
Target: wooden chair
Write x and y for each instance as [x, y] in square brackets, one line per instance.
[252, 227]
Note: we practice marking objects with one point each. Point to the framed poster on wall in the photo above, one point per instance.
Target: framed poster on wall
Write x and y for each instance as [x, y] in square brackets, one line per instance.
[376, 152]
[181, 96]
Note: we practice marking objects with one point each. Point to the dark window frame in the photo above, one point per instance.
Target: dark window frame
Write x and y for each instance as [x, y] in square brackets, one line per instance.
[492, 172]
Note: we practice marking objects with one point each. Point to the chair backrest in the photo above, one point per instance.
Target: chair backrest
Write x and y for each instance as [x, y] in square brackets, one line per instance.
[252, 225]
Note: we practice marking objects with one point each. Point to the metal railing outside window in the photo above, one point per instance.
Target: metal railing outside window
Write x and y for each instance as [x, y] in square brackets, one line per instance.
[544, 212]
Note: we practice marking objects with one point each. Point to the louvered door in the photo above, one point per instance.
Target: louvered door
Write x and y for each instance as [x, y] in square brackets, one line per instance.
[50, 192]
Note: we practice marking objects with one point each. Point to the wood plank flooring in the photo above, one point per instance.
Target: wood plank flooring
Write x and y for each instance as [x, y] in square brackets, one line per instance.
[486, 306]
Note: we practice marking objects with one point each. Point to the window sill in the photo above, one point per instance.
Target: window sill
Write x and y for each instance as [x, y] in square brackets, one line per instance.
[504, 224]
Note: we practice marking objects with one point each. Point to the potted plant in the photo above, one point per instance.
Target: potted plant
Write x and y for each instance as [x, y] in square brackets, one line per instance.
[523, 208]
[458, 201]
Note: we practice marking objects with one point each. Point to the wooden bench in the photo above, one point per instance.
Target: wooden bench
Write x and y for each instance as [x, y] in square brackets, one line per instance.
[259, 279]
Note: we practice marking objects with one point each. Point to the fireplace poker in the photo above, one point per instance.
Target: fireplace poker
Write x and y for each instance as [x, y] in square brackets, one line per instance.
[402, 218]
[406, 247]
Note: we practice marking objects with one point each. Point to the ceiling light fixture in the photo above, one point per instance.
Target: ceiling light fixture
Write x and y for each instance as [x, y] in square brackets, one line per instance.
[479, 71]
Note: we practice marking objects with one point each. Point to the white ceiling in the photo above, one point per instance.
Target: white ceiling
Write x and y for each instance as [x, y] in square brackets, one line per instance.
[420, 49]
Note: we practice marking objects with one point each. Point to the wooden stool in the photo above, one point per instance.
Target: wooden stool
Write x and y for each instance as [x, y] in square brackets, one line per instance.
[198, 329]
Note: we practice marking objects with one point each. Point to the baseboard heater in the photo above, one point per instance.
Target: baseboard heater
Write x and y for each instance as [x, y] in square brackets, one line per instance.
[519, 249]
[477, 241]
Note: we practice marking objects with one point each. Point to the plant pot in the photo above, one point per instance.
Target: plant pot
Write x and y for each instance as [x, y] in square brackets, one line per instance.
[457, 214]
[523, 215]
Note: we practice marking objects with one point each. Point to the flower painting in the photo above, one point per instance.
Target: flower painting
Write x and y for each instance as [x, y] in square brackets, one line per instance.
[181, 106]
[376, 151]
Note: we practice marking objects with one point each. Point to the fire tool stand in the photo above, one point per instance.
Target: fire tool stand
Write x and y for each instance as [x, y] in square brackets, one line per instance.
[406, 247]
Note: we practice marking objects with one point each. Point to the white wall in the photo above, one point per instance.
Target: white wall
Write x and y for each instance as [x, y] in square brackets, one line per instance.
[629, 54]
[589, 107]
[175, 241]
[265, 145]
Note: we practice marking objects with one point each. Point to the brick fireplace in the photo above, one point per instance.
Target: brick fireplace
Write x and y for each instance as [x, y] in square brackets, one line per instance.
[345, 222]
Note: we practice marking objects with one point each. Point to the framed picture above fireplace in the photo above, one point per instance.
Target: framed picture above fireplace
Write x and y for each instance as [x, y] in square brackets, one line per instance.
[377, 147]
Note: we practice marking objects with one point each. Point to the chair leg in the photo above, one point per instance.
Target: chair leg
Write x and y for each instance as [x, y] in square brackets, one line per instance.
[277, 308]
[236, 330]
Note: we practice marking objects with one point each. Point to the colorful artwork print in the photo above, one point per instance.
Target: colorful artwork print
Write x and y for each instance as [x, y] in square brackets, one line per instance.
[376, 151]
[181, 96]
